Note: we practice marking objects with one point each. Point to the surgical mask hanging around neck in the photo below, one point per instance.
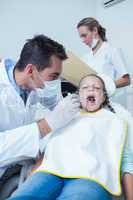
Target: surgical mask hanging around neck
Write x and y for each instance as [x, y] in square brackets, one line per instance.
[94, 42]
[50, 94]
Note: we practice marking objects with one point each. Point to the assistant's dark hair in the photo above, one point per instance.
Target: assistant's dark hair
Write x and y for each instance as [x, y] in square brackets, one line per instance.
[38, 51]
[92, 23]
[107, 101]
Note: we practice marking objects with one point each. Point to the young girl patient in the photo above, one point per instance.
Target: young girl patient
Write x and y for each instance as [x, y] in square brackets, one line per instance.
[82, 160]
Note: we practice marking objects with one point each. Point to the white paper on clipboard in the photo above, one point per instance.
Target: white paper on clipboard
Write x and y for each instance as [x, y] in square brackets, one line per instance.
[74, 69]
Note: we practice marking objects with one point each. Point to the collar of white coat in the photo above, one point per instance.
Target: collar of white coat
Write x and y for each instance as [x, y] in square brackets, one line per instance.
[102, 48]
[3, 74]
[4, 79]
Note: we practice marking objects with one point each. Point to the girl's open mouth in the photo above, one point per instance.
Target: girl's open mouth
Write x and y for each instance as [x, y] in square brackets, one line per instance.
[91, 100]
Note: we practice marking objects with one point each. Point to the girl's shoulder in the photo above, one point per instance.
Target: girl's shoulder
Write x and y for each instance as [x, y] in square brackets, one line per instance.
[121, 111]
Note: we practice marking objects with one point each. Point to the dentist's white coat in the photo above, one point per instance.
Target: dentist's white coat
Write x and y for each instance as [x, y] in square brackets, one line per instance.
[18, 140]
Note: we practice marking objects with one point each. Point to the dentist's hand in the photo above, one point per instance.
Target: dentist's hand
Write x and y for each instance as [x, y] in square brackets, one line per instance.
[64, 112]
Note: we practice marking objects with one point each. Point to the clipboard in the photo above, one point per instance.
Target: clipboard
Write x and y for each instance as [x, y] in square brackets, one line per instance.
[74, 69]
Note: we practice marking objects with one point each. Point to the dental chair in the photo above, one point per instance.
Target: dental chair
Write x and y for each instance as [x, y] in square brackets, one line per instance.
[13, 177]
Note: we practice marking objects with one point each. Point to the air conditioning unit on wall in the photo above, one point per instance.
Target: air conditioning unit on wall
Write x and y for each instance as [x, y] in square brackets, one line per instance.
[108, 3]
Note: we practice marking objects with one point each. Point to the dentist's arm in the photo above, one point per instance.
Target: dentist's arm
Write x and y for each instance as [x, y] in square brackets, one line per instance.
[19, 143]
[43, 127]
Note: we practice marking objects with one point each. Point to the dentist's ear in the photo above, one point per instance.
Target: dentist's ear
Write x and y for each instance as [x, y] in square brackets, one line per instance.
[29, 69]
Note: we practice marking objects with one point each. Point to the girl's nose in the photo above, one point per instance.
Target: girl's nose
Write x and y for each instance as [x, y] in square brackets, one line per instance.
[90, 88]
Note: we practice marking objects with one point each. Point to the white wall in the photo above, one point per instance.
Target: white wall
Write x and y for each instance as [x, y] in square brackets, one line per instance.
[118, 20]
[20, 20]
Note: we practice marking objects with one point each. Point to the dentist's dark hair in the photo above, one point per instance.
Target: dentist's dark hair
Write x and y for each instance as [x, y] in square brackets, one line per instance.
[107, 101]
[38, 51]
[92, 23]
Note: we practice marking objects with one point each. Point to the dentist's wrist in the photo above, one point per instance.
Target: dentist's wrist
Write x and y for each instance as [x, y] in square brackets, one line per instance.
[43, 127]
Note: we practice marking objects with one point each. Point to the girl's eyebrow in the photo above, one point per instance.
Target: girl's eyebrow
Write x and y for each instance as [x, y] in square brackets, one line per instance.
[86, 84]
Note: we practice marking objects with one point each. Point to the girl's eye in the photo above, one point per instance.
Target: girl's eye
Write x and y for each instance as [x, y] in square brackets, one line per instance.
[85, 87]
[97, 88]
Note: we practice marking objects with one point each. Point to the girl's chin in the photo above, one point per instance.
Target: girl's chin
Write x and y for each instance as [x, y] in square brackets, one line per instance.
[92, 108]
